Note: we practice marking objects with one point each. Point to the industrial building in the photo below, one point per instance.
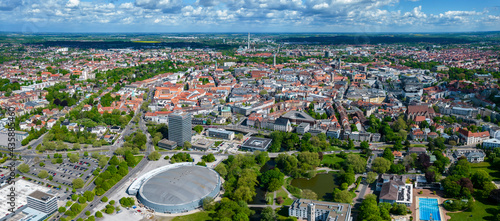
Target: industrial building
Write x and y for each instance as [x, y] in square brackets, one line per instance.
[176, 188]
[220, 133]
[256, 143]
[179, 128]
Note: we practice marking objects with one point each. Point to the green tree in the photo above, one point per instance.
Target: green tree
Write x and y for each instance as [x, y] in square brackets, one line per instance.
[154, 156]
[268, 214]
[74, 158]
[43, 174]
[78, 183]
[24, 168]
[364, 145]
[342, 196]
[187, 145]
[114, 161]
[198, 128]
[369, 209]
[388, 154]
[371, 177]
[356, 162]
[272, 180]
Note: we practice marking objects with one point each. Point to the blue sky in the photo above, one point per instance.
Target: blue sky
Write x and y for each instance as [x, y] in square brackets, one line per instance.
[363, 16]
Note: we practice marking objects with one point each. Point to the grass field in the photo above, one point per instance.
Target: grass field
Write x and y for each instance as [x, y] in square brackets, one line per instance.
[138, 159]
[331, 159]
[481, 211]
[486, 166]
[199, 216]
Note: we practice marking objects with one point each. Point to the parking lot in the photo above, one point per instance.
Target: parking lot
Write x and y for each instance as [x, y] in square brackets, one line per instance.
[66, 172]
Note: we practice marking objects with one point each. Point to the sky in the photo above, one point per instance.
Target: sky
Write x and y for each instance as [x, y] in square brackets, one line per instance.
[174, 16]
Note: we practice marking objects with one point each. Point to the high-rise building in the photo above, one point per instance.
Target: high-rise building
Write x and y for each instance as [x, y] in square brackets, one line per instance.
[179, 128]
[42, 202]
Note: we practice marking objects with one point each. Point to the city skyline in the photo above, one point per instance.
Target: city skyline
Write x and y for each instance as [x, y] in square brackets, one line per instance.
[177, 16]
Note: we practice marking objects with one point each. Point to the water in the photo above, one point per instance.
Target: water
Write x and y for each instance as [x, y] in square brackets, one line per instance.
[322, 184]
[428, 207]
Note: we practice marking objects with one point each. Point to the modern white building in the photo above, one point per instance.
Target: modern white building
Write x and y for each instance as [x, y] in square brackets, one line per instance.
[491, 143]
[313, 210]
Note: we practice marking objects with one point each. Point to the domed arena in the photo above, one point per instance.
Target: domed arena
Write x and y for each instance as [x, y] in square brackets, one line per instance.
[176, 188]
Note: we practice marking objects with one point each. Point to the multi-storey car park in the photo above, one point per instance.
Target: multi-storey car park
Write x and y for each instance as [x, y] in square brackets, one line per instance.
[176, 188]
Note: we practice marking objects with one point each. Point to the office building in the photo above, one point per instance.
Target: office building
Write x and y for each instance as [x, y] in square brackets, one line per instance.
[313, 210]
[42, 202]
[179, 128]
[220, 133]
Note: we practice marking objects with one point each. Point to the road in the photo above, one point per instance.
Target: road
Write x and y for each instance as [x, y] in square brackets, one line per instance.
[132, 172]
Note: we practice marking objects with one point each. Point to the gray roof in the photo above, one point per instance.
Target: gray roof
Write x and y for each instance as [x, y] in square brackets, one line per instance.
[180, 185]
[298, 115]
[389, 191]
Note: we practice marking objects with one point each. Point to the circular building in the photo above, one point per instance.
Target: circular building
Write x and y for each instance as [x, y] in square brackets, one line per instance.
[179, 188]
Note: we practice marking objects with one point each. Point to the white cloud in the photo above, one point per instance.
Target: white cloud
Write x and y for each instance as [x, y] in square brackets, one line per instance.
[72, 3]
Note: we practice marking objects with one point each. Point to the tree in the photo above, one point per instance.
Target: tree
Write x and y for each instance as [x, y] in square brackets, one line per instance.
[381, 165]
[98, 214]
[371, 177]
[399, 209]
[342, 196]
[43, 174]
[239, 136]
[308, 194]
[388, 154]
[268, 214]
[198, 128]
[104, 199]
[356, 162]
[369, 209]
[78, 183]
[208, 203]
[350, 146]
[74, 158]
[364, 145]
[263, 92]
[187, 145]
[24, 168]
[62, 209]
[114, 161]
[397, 168]
[154, 156]
[479, 178]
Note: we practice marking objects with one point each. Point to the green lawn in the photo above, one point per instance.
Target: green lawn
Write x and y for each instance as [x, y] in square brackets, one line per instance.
[199, 216]
[333, 148]
[281, 192]
[486, 166]
[138, 159]
[481, 211]
[331, 159]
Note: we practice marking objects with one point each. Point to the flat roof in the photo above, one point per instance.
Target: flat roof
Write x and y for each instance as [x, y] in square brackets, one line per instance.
[40, 195]
[257, 142]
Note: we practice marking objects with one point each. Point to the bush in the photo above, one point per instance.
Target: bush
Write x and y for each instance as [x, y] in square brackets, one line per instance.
[454, 205]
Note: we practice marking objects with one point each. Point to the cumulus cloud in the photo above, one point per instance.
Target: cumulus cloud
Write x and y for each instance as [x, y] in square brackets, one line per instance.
[270, 15]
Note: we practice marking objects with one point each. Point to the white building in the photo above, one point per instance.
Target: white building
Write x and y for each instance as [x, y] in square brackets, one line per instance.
[491, 143]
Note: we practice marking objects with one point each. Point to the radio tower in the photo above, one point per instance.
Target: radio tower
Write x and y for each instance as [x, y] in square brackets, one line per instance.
[248, 41]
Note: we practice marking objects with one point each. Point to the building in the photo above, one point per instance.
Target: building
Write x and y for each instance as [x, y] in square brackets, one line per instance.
[394, 190]
[203, 144]
[298, 117]
[472, 155]
[18, 135]
[176, 188]
[220, 133]
[440, 68]
[420, 110]
[180, 128]
[468, 137]
[256, 143]
[280, 124]
[313, 210]
[167, 144]
[42, 202]
[491, 143]
[303, 128]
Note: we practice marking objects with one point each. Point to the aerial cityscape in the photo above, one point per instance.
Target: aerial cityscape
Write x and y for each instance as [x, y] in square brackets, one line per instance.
[249, 110]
